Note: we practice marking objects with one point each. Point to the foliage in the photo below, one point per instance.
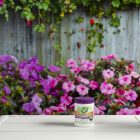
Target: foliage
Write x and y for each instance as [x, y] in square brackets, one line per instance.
[50, 11]
[27, 87]
[95, 36]
[45, 13]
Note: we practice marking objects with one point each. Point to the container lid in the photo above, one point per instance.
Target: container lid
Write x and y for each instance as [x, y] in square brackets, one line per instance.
[84, 100]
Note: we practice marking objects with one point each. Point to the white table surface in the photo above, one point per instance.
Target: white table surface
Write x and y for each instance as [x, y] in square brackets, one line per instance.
[62, 127]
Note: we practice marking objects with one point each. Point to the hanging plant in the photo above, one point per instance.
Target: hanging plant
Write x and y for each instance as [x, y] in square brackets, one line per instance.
[95, 36]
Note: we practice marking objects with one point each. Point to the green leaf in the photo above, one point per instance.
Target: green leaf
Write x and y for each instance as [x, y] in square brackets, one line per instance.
[116, 3]
[17, 8]
[40, 28]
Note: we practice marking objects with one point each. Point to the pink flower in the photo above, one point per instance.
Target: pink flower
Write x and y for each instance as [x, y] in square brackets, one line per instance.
[110, 57]
[135, 74]
[59, 108]
[107, 88]
[75, 70]
[47, 111]
[125, 80]
[93, 85]
[71, 63]
[102, 108]
[62, 77]
[68, 86]
[125, 111]
[83, 80]
[66, 100]
[119, 101]
[130, 95]
[107, 74]
[87, 65]
[82, 89]
[98, 111]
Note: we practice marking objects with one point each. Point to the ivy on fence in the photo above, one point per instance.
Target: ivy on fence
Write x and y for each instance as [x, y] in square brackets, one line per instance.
[51, 12]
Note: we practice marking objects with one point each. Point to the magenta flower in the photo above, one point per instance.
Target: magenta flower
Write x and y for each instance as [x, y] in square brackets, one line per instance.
[83, 80]
[53, 68]
[28, 107]
[75, 70]
[71, 63]
[137, 111]
[130, 67]
[120, 91]
[48, 84]
[82, 89]
[7, 90]
[87, 65]
[125, 111]
[119, 101]
[1, 2]
[66, 100]
[68, 86]
[125, 80]
[107, 74]
[47, 111]
[107, 88]
[130, 95]
[52, 82]
[109, 57]
[93, 85]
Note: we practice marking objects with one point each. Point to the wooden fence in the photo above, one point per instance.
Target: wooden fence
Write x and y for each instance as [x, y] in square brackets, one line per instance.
[19, 40]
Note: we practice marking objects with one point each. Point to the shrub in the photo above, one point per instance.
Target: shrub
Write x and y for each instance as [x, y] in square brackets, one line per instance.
[28, 87]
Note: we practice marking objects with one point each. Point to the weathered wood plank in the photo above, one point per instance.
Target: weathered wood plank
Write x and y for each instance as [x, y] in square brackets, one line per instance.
[21, 41]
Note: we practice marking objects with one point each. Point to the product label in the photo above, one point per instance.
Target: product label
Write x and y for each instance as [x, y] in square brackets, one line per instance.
[84, 113]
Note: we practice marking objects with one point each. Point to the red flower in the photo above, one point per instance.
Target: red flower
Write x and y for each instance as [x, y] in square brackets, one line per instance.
[92, 21]
[82, 29]
[29, 23]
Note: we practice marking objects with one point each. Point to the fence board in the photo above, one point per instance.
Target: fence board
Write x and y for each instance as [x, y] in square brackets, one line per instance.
[19, 40]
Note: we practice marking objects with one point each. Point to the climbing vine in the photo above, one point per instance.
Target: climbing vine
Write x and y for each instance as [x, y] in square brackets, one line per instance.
[44, 13]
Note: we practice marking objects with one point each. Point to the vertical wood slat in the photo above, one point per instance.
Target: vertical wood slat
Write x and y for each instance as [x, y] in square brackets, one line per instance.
[21, 41]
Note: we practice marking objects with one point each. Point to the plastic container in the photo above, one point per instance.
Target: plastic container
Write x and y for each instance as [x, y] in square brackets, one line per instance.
[84, 111]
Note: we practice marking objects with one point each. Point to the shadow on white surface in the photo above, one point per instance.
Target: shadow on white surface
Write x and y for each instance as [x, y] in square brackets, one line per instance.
[103, 124]
[137, 118]
[59, 124]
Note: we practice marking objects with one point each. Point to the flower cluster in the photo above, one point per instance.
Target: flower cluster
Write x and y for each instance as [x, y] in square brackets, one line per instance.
[1, 2]
[28, 87]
